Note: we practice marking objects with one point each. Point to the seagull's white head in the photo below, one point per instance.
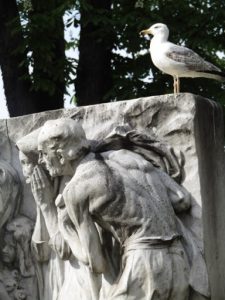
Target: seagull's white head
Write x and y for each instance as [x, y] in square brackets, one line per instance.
[158, 29]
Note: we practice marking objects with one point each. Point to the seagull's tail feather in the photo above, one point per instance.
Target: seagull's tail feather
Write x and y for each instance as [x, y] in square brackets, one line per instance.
[218, 75]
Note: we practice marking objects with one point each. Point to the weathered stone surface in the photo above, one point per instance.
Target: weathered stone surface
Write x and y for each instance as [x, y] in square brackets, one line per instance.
[189, 124]
[209, 140]
[172, 120]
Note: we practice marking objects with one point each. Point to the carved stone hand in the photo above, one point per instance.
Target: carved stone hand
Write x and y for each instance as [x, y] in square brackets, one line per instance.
[41, 187]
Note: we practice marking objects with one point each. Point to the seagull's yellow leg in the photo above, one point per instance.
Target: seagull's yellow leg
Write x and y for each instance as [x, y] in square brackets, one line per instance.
[178, 84]
[175, 85]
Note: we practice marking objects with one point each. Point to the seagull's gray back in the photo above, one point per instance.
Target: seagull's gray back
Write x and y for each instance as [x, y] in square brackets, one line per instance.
[190, 59]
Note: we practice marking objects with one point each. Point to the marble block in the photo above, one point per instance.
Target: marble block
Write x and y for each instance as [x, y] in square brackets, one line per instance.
[192, 130]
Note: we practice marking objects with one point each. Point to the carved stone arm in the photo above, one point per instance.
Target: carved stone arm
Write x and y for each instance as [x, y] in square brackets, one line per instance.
[44, 197]
[69, 233]
[77, 205]
[179, 196]
[40, 238]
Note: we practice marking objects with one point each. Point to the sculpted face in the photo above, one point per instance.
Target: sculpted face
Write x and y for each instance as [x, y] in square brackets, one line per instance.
[20, 226]
[27, 166]
[50, 159]
[8, 251]
[61, 143]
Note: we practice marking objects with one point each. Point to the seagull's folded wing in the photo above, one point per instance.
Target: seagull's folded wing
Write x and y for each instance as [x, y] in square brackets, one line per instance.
[191, 60]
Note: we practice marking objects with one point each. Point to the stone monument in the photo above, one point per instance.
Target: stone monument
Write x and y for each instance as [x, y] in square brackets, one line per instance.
[115, 201]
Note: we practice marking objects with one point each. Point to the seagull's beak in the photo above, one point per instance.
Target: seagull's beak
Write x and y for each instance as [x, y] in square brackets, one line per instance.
[145, 32]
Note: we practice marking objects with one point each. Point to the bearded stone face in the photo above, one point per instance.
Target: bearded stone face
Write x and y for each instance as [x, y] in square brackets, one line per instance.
[51, 161]
[61, 142]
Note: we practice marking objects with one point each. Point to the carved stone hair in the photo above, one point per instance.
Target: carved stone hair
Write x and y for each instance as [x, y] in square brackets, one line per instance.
[28, 144]
[65, 135]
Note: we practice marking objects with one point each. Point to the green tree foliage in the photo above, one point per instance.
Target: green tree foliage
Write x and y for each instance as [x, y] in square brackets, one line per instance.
[32, 49]
[197, 24]
[94, 71]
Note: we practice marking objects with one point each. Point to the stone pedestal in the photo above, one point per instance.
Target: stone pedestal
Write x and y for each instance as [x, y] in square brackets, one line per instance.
[190, 124]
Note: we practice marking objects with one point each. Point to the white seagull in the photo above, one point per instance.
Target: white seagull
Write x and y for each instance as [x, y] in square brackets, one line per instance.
[178, 61]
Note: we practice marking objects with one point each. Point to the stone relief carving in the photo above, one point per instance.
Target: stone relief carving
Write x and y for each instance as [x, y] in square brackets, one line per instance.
[20, 273]
[9, 205]
[10, 193]
[114, 211]
[69, 279]
[17, 269]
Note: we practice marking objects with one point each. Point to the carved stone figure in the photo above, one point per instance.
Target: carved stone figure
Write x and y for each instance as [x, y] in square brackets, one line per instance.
[18, 274]
[10, 192]
[126, 195]
[10, 196]
[51, 265]
[9, 276]
[62, 279]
